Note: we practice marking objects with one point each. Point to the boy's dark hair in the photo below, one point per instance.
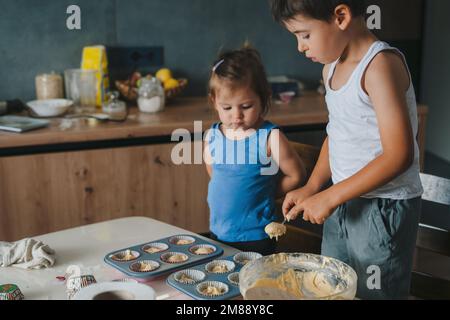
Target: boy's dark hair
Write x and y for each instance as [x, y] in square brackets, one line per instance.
[239, 68]
[284, 10]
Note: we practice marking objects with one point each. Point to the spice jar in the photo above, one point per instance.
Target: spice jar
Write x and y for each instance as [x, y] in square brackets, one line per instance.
[151, 95]
[49, 86]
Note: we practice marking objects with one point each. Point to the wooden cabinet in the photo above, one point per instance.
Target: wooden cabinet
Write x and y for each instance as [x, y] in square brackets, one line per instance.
[49, 192]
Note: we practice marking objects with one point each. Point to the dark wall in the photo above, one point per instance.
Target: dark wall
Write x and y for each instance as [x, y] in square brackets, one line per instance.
[35, 38]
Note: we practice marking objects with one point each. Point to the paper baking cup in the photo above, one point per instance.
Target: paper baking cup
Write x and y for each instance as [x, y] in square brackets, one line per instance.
[156, 246]
[75, 284]
[193, 249]
[10, 292]
[185, 240]
[166, 257]
[144, 266]
[215, 284]
[244, 257]
[124, 256]
[195, 275]
[234, 278]
[229, 265]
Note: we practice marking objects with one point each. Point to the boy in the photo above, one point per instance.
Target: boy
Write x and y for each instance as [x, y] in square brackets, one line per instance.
[371, 212]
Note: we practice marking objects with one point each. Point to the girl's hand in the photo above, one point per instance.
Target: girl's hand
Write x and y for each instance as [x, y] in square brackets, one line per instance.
[293, 199]
[317, 208]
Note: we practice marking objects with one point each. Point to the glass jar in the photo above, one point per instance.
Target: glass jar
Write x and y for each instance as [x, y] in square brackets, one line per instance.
[49, 86]
[115, 108]
[151, 95]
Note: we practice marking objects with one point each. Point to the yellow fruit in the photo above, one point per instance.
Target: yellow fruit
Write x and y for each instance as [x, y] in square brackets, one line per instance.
[164, 74]
[171, 84]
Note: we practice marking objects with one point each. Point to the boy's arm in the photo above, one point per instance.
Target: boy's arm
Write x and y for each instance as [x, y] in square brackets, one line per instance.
[288, 161]
[319, 177]
[386, 82]
[322, 172]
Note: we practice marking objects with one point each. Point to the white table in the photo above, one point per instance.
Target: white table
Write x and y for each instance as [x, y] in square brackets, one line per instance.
[86, 247]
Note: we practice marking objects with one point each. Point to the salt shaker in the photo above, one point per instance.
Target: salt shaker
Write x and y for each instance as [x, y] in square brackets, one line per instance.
[151, 95]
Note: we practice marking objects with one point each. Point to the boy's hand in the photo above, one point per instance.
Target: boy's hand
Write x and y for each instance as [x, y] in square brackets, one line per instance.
[295, 198]
[316, 209]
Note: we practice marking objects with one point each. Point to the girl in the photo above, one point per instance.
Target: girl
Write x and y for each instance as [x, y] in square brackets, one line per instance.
[243, 153]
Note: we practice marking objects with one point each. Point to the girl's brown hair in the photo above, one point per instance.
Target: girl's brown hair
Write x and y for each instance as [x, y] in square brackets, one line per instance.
[239, 68]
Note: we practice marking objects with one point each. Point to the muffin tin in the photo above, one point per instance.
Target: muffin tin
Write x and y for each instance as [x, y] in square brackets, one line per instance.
[152, 259]
[217, 279]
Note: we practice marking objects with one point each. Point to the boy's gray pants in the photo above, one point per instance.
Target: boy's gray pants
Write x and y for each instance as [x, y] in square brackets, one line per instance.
[376, 237]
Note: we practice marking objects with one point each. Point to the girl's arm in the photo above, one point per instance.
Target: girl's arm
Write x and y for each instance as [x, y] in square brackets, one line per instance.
[288, 161]
[207, 158]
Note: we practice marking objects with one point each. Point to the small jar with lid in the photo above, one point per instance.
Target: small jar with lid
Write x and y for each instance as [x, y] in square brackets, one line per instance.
[49, 86]
[151, 95]
[115, 108]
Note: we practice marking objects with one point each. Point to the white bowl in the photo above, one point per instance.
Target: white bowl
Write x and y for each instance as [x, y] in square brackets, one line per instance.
[50, 107]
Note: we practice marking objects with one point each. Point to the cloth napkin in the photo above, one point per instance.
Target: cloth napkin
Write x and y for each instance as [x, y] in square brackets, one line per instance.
[26, 254]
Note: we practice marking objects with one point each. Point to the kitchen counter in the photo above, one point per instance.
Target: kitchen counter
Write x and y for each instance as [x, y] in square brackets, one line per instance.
[86, 247]
[309, 109]
[54, 179]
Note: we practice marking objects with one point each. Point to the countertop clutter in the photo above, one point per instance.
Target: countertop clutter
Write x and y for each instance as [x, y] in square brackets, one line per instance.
[85, 247]
[307, 110]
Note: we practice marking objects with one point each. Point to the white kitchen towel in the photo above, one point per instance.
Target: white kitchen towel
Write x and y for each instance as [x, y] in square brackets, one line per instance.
[26, 254]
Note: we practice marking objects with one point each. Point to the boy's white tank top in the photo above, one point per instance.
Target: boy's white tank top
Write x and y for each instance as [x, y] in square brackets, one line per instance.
[353, 134]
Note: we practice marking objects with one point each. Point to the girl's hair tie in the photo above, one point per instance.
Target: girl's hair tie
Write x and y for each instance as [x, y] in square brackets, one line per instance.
[217, 65]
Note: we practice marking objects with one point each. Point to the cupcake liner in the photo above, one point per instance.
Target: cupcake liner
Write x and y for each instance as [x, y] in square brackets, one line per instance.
[10, 292]
[74, 284]
[245, 257]
[166, 257]
[216, 265]
[125, 255]
[144, 266]
[189, 276]
[221, 287]
[155, 247]
[234, 278]
[202, 249]
[181, 240]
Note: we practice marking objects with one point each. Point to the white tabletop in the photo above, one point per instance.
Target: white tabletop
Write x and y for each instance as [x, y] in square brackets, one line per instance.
[86, 247]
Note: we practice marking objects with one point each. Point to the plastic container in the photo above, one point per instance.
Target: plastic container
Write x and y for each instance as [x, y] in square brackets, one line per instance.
[81, 88]
[151, 95]
[297, 276]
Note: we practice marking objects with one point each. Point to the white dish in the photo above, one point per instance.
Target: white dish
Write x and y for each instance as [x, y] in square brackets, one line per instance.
[50, 107]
